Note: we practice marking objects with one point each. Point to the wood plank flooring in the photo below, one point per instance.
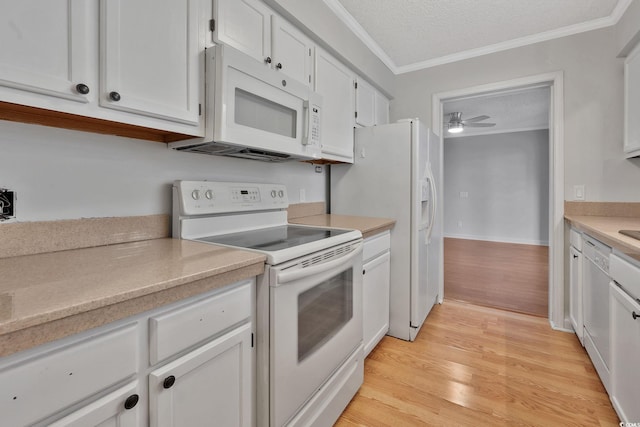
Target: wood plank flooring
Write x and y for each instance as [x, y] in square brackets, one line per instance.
[478, 366]
[503, 275]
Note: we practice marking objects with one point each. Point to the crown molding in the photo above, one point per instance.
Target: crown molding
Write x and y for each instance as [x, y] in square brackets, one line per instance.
[362, 34]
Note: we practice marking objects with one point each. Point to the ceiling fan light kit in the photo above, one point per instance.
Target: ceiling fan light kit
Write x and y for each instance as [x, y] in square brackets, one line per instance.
[457, 125]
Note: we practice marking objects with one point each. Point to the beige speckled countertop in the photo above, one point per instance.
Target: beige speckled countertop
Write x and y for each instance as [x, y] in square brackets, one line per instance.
[605, 229]
[368, 226]
[51, 295]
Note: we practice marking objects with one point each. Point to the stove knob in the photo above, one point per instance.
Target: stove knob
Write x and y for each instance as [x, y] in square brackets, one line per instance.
[195, 194]
[273, 194]
[208, 194]
[281, 193]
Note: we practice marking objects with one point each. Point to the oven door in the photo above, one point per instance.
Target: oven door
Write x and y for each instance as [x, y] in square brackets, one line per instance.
[260, 108]
[315, 324]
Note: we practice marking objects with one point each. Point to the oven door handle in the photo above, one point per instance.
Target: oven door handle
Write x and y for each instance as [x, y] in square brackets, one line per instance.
[289, 276]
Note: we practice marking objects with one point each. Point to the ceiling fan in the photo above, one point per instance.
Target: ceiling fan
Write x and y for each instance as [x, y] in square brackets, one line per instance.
[456, 124]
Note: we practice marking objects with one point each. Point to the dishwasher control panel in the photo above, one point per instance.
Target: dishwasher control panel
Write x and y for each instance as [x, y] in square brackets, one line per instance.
[596, 251]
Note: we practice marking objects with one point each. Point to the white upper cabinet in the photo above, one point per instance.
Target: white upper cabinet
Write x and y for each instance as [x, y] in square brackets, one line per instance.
[45, 50]
[138, 58]
[365, 103]
[382, 109]
[632, 103]
[244, 25]
[335, 83]
[372, 108]
[150, 53]
[253, 28]
[292, 51]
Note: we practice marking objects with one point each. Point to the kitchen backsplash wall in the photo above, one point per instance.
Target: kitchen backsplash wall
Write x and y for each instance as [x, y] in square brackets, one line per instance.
[62, 174]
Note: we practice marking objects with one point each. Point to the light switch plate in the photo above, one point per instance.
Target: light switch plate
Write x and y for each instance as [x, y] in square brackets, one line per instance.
[578, 192]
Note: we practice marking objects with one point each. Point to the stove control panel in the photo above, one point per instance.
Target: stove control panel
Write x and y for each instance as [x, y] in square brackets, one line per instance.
[209, 197]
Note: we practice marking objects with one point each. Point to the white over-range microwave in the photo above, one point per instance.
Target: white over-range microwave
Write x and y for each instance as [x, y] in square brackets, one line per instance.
[255, 112]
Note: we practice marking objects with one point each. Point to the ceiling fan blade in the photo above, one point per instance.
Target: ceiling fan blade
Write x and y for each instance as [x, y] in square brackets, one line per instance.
[475, 119]
[478, 125]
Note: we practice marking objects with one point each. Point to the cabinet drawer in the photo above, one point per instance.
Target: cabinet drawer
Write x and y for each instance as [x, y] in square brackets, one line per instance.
[626, 274]
[179, 329]
[37, 387]
[376, 245]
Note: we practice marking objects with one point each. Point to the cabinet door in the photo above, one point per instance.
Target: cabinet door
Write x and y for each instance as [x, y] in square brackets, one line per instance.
[212, 385]
[375, 300]
[365, 104]
[150, 62]
[291, 51]
[575, 292]
[335, 83]
[45, 49]
[632, 103]
[244, 25]
[625, 347]
[117, 409]
[382, 109]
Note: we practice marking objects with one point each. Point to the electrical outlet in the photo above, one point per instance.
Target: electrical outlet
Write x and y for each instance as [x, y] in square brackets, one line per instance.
[7, 204]
[459, 224]
[578, 192]
[318, 169]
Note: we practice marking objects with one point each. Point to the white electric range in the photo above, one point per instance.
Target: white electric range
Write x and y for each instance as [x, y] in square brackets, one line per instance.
[309, 355]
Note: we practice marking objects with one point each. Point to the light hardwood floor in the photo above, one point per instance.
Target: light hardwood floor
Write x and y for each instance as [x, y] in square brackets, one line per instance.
[503, 275]
[478, 366]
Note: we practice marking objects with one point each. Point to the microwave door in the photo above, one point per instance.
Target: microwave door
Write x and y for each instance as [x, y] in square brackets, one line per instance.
[259, 108]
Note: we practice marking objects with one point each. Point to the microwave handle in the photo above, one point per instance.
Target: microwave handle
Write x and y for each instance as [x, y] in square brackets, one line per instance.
[305, 122]
[289, 276]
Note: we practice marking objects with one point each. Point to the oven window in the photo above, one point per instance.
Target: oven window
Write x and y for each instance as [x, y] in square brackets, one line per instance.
[322, 311]
[259, 113]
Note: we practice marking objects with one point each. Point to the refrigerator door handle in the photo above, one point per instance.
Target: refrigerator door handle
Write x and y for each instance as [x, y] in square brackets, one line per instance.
[434, 201]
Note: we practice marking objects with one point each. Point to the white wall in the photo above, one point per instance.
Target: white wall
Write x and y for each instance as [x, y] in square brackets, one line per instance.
[506, 177]
[63, 174]
[593, 104]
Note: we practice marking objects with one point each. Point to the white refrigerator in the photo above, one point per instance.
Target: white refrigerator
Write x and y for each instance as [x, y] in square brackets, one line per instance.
[397, 174]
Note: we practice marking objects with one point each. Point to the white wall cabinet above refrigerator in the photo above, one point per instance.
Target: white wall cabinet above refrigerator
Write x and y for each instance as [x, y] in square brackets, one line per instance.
[253, 28]
[78, 57]
[372, 107]
[336, 84]
[632, 103]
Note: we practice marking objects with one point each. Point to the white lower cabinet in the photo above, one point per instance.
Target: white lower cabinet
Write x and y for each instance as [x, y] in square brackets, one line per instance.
[375, 289]
[117, 409]
[197, 356]
[211, 386]
[575, 284]
[624, 300]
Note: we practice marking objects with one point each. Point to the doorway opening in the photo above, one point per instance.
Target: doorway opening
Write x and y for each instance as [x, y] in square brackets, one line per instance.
[481, 225]
[496, 200]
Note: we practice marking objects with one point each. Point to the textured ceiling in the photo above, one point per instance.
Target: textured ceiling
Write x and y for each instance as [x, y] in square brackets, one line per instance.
[511, 111]
[413, 34]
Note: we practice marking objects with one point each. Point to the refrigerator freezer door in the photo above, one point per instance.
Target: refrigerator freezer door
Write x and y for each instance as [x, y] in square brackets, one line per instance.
[421, 302]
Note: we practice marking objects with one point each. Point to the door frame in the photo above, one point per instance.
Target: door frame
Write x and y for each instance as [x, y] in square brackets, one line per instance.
[555, 81]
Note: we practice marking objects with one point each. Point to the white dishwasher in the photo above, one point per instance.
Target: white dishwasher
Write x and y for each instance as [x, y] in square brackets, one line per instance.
[595, 301]
[625, 336]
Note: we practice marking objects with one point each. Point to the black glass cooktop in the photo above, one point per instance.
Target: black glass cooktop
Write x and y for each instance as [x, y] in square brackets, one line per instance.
[274, 238]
